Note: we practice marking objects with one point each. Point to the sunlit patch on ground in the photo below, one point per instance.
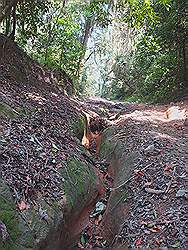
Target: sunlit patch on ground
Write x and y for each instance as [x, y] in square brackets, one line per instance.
[174, 113]
[163, 136]
[36, 97]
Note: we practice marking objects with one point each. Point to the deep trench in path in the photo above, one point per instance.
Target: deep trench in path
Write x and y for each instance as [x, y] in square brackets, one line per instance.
[102, 223]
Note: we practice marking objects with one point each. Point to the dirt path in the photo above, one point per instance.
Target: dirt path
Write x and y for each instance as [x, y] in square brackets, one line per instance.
[152, 212]
[139, 195]
[133, 194]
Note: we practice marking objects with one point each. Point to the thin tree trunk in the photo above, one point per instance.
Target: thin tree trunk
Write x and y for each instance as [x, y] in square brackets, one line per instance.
[7, 23]
[84, 41]
[12, 35]
[48, 43]
[6, 7]
[185, 62]
[87, 33]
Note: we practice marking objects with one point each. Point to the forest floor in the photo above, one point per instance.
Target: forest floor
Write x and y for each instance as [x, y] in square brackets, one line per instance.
[40, 130]
[155, 208]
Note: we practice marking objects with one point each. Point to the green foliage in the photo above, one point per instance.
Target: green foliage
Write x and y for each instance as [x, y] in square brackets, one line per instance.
[50, 35]
[56, 32]
[156, 78]
[155, 69]
[59, 34]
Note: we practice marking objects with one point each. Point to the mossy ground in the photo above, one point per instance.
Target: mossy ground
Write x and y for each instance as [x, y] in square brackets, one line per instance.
[79, 179]
[78, 127]
[9, 217]
[7, 111]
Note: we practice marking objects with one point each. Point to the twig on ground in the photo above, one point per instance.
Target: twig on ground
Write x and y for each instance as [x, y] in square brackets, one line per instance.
[172, 178]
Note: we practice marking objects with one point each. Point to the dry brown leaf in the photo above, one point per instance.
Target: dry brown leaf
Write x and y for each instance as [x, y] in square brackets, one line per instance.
[147, 184]
[168, 168]
[80, 245]
[22, 206]
[138, 242]
[155, 229]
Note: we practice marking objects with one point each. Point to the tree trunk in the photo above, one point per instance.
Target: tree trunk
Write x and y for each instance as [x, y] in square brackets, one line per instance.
[185, 62]
[48, 42]
[84, 41]
[7, 23]
[5, 8]
[12, 35]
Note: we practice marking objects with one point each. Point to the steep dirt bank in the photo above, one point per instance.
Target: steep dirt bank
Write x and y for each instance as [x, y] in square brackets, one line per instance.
[17, 68]
[47, 178]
